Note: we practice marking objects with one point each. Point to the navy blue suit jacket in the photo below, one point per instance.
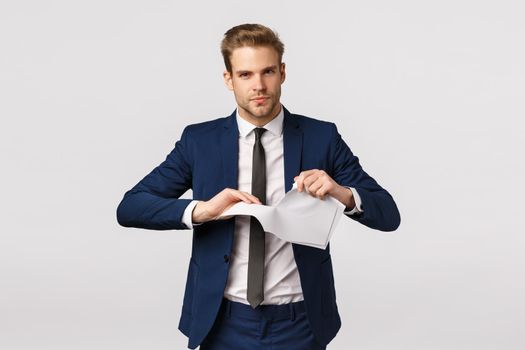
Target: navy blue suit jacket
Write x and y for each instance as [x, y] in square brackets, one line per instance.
[205, 159]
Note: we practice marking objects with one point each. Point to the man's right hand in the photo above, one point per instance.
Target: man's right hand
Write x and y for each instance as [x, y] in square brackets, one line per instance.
[211, 209]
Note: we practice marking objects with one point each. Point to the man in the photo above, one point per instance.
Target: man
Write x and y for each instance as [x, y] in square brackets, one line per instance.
[247, 289]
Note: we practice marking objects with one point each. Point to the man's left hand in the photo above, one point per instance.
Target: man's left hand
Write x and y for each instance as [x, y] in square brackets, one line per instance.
[318, 184]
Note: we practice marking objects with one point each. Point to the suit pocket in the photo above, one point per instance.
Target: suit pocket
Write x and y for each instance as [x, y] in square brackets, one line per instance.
[191, 287]
[327, 287]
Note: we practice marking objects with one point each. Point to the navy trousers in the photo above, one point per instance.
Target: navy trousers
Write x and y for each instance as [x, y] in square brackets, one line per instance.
[267, 327]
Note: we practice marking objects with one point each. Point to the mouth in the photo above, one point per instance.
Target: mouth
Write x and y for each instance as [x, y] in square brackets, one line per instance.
[260, 100]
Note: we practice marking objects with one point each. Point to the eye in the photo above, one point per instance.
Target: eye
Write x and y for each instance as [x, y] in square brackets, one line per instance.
[270, 71]
[243, 75]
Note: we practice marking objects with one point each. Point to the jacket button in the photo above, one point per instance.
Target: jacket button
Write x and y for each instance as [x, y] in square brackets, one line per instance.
[226, 258]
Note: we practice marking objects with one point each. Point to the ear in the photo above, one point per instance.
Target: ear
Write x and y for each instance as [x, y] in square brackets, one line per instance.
[228, 80]
[283, 72]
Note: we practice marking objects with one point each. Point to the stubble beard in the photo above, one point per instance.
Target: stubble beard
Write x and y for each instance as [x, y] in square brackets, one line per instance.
[259, 113]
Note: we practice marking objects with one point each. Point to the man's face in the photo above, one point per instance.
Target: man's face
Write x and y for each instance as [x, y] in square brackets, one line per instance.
[256, 80]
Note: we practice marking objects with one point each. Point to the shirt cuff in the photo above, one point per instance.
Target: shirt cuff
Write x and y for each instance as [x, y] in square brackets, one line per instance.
[358, 209]
[186, 216]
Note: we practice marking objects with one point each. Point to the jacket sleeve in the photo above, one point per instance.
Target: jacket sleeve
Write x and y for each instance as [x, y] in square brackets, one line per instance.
[379, 209]
[154, 202]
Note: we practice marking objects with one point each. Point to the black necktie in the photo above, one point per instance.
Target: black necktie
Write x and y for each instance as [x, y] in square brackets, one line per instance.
[255, 294]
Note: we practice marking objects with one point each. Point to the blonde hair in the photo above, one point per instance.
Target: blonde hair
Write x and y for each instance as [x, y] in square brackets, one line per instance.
[249, 35]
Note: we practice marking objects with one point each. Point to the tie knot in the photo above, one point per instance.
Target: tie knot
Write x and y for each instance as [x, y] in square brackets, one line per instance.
[258, 133]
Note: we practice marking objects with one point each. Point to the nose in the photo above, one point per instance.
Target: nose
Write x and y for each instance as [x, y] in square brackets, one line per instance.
[259, 83]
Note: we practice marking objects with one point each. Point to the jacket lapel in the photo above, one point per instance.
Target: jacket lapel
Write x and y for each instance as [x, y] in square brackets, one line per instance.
[229, 146]
[293, 145]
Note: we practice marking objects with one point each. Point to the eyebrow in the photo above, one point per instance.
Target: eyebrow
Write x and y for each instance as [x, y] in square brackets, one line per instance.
[265, 68]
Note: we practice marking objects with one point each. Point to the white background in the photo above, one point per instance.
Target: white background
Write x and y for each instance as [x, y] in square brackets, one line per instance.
[429, 96]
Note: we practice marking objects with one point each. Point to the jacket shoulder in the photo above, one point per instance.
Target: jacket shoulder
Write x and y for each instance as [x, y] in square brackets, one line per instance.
[202, 128]
[313, 124]
[206, 126]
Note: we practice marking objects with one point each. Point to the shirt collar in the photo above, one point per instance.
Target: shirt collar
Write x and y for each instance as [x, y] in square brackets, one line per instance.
[275, 126]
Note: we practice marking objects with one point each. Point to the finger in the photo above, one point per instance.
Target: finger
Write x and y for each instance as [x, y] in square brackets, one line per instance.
[310, 180]
[301, 177]
[247, 197]
[241, 196]
[300, 185]
[315, 186]
[299, 181]
[253, 199]
[322, 192]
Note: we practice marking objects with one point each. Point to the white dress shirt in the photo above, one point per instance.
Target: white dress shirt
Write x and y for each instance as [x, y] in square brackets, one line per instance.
[281, 276]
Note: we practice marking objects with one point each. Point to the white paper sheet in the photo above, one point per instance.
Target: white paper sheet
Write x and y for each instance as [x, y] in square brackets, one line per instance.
[298, 217]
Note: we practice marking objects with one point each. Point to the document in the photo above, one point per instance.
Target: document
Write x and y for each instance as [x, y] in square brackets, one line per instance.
[297, 218]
